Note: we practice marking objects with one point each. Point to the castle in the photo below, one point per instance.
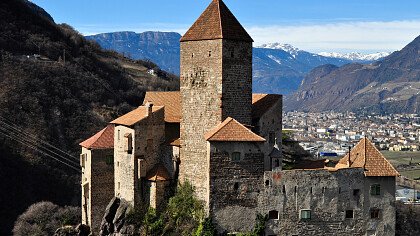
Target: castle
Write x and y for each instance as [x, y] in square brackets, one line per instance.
[226, 141]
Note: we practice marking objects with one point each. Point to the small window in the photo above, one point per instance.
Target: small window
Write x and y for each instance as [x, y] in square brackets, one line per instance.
[374, 213]
[209, 53]
[276, 163]
[83, 160]
[273, 215]
[236, 186]
[305, 214]
[271, 138]
[192, 55]
[128, 143]
[236, 156]
[356, 192]
[110, 160]
[375, 189]
[118, 134]
[349, 214]
[284, 189]
[119, 185]
[339, 190]
[267, 182]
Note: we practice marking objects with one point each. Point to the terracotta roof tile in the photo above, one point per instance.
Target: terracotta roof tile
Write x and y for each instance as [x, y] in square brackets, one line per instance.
[365, 155]
[261, 103]
[216, 22]
[158, 173]
[134, 116]
[104, 139]
[171, 101]
[231, 130]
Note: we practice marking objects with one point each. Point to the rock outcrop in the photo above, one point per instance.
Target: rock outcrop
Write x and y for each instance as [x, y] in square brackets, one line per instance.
[114, 221]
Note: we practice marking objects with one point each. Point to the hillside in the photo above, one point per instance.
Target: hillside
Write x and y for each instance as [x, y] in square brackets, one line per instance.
[387, 86]
[56, 88]
[277, 68]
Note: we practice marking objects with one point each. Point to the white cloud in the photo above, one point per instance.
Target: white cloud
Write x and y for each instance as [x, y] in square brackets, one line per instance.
[341, 37]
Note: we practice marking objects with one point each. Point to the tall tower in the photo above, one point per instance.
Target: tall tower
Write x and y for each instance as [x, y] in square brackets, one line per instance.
[216, 83]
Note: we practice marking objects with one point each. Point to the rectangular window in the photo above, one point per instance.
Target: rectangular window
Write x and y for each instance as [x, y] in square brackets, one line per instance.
[128, 146]
[356, 192]
[375, 189]
[349, 214]
[83, 158]
[273, 215]
[271, 138]
[236, 156]
[110, 160]
[305, 214]
[374, 213]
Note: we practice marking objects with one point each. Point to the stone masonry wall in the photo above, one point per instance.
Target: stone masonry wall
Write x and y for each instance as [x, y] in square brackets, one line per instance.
[237, 81]
[102, 185]
[201, 93]
[271, 121]
[327, 194]
[235, 185]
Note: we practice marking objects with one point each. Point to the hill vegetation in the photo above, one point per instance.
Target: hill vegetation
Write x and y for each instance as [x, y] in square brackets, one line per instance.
[56, 88]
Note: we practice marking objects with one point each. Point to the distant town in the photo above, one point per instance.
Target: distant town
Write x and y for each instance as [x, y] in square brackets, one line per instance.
[333, 133]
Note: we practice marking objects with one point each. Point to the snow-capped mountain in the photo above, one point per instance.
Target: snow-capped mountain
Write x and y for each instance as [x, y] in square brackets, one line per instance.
[285, 47]
[356, 56]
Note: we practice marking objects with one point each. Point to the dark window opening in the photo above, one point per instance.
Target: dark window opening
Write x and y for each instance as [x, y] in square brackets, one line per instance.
[236, 186]
[267, 182]
[192, 55]
[209, 53]
[284, 189]
[375, 189]
[276, 163]
[374, 213]
[273, 215]
[323, 189]
[339, 190]
[295, 189]
[311, 190]
[356, 192]
[349, 214]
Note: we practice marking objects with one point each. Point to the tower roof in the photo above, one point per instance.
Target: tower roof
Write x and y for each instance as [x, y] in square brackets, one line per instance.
[216, 22]
[365, 155]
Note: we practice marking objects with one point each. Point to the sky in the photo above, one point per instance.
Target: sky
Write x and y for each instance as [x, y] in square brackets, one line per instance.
[365, 26]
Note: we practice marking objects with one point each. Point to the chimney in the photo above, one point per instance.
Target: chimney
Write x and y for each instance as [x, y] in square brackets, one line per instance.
[149, 107]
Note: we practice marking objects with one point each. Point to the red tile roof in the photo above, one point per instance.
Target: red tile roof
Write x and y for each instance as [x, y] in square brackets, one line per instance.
[231, 130]
[104, 139]
[261, 103]
[216, 22]
[158, 173]
[171, 101]
[134, 116]
[365, 155]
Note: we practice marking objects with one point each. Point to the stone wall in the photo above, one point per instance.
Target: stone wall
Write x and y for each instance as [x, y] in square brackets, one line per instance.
[235, 185]
[201, 93]
[97, 186]
[237, 81]
[148, 136]
[328, 195]
[271, 122]
[216, 82]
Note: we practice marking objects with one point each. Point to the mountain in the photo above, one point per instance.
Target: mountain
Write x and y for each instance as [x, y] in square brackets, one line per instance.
[278, 68]
[356, 56]
[391, 85]
[159, 47]
[56, 88]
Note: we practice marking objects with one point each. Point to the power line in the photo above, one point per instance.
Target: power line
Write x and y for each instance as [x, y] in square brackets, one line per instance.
[36, 145]
[40, 151]
[18, 129]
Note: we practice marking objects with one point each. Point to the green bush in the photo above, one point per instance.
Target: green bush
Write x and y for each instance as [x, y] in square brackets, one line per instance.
[206, 228]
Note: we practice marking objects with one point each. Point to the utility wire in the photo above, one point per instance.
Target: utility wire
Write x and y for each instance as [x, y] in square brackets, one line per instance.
[36, 145]
[18, 129]
[40, 151]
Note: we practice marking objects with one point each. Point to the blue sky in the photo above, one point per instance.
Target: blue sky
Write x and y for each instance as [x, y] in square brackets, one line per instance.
[323, 25]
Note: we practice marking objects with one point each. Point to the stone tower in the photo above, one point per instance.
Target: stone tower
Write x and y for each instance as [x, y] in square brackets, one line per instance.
[216, 83]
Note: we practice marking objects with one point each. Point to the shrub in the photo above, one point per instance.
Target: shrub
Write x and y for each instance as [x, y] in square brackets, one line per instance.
[44, 218]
